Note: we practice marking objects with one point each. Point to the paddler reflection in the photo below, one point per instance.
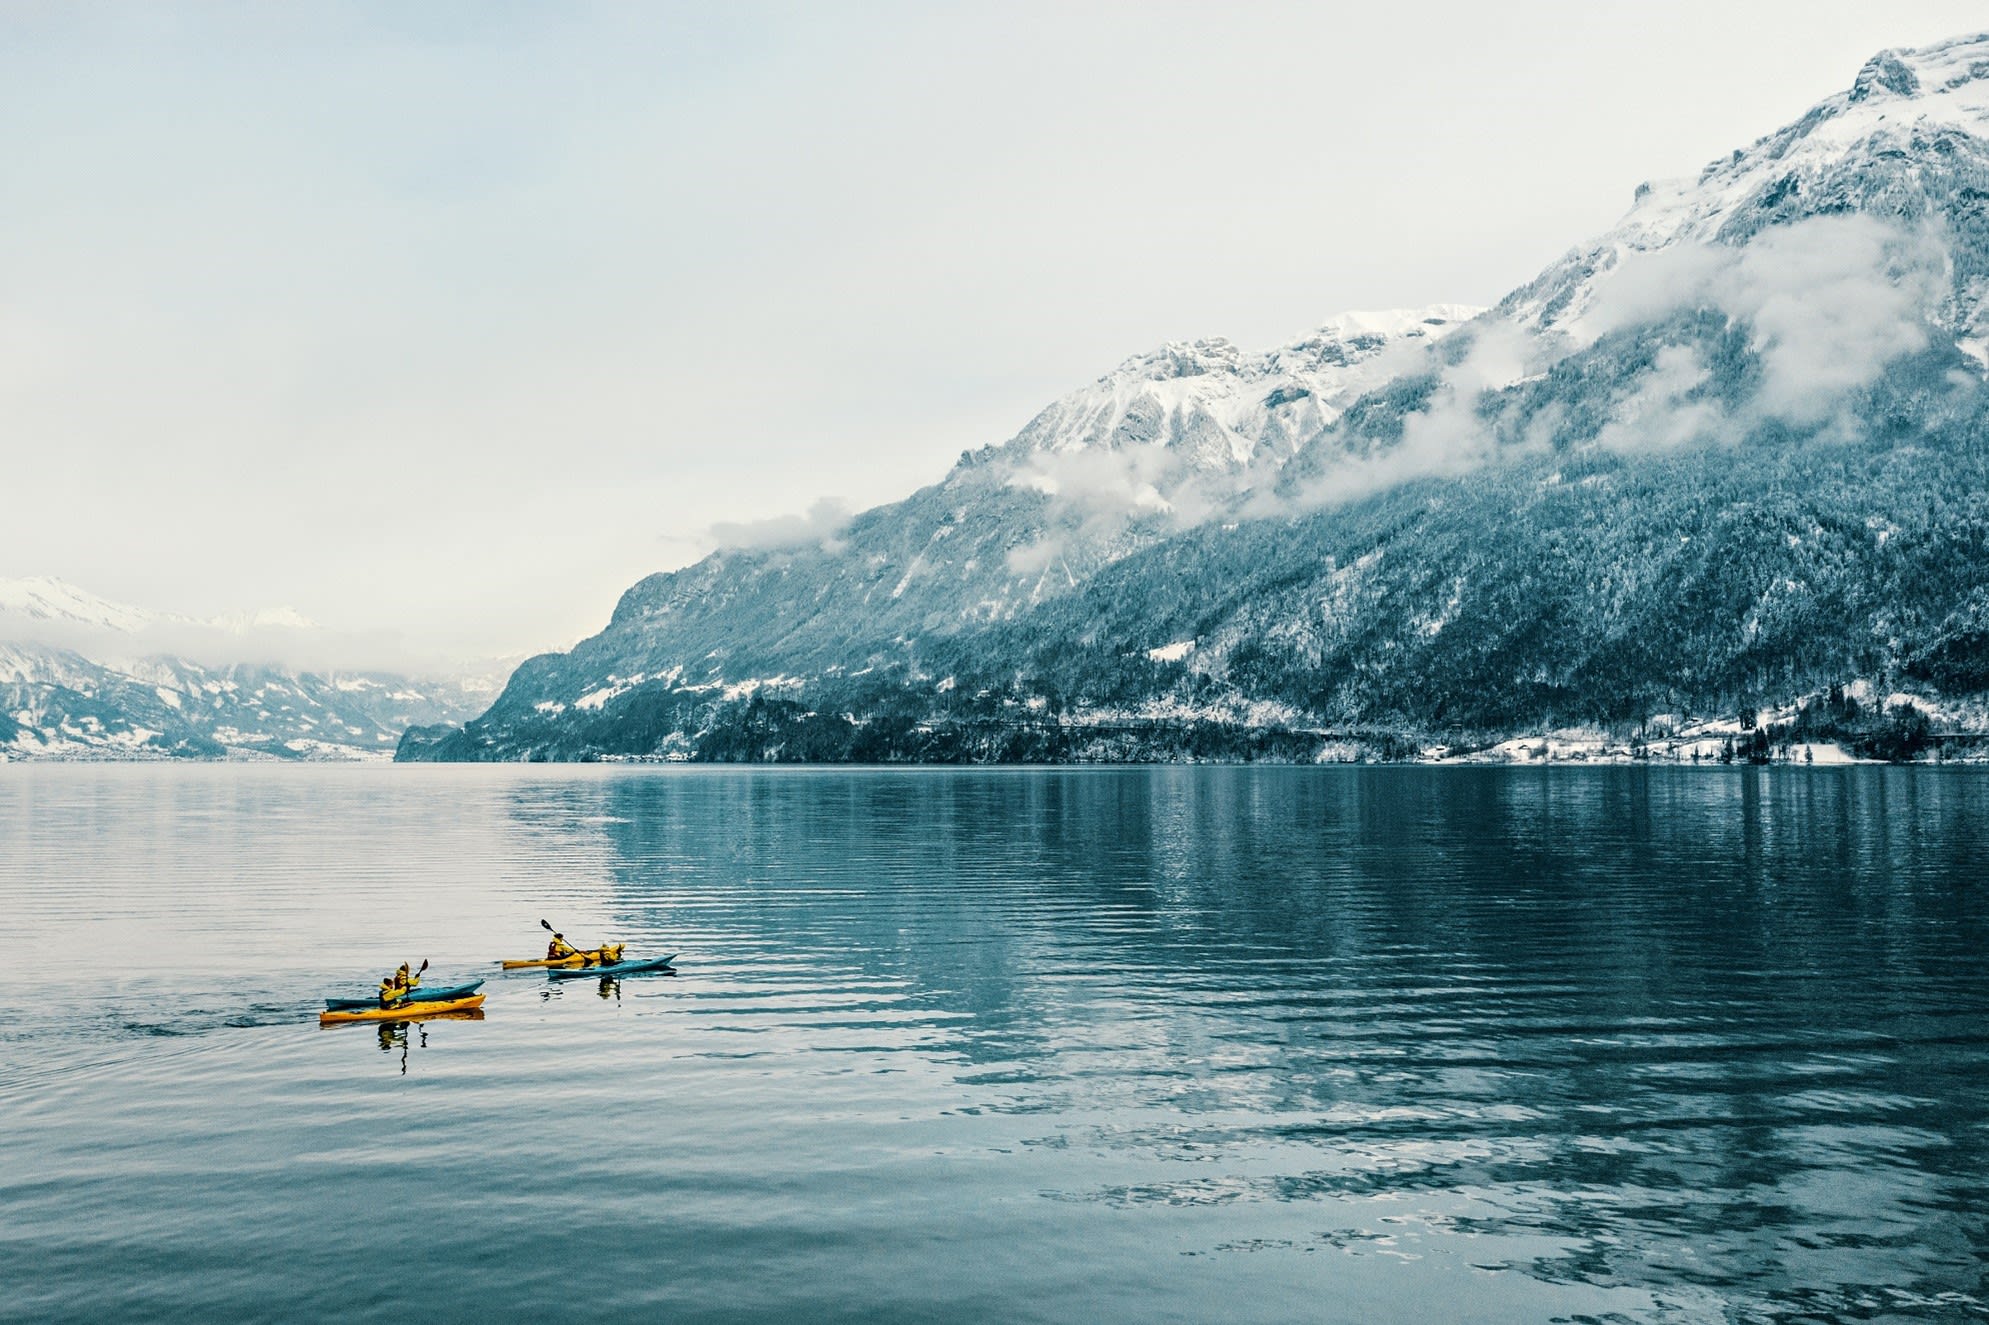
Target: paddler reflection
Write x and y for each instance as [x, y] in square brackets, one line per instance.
[402, 1035]
[394, 1035]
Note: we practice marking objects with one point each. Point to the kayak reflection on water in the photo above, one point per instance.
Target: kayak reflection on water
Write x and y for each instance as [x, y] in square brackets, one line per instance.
[607, 988]
[401, 1034]
[394, 1034]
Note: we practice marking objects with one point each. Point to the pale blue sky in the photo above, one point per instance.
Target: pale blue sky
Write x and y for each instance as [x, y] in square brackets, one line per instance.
[450, 321]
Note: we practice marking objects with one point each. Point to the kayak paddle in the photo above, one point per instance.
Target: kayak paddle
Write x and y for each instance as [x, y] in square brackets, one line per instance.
[582, 953]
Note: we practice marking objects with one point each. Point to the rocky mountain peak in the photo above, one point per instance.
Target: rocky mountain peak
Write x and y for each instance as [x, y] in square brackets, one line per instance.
[1220, 407]
[1885, 72]
[1176, 359]
[1944, 69]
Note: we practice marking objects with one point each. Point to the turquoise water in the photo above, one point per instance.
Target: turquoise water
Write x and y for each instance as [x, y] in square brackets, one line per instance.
[1089, 1045]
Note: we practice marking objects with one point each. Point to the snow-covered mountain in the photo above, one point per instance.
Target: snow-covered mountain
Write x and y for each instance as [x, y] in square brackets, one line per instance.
[43, 599]
[39, 601]
[1179, 424]
[82, 676]
[1727, 455]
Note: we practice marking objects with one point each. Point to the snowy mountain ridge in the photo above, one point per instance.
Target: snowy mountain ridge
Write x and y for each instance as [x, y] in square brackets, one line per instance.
[84, 677]
[45, 598]
[1185, 412]
[56, 703]
[1902, 102]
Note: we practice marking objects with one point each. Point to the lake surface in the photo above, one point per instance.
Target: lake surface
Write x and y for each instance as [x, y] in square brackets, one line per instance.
[1387, 1044]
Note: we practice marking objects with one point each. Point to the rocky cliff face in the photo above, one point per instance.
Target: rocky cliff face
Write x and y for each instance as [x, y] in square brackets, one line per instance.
[1730, 453]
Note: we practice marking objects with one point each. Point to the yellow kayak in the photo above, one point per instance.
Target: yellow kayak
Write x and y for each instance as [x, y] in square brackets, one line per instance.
[404, 1011]
[591, 957]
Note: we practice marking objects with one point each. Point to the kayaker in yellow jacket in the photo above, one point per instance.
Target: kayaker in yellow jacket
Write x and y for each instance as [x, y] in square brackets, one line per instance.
[559, 949]
[396, 987]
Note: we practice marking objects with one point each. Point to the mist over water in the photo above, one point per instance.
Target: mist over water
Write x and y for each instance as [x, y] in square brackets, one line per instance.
[1099, 1045]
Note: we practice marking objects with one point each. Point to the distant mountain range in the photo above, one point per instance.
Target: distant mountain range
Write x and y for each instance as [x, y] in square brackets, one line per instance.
[1724, 467]
[82, 677]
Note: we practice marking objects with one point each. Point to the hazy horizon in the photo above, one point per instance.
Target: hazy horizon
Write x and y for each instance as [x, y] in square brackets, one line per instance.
[444, 327]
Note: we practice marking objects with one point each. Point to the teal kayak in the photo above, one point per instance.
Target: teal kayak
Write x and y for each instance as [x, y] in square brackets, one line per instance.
[421, 994]
[609, 972]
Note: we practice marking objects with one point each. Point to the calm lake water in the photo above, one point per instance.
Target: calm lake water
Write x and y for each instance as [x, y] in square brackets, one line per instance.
[1091, 1045]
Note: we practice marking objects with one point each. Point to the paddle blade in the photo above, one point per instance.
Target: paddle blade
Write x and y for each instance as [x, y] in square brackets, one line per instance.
[546, 925]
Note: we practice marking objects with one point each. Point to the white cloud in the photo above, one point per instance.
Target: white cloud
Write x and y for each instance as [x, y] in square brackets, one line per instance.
[1446, 437]
[1830, 302]
[1102, 481]
[1096, 491]
[822, 521]
[1035, 558]
[1833, 301]
[1658, 415]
